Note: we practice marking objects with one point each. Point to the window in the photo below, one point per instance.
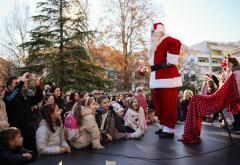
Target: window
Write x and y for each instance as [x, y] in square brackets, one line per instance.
[202, 59]
[216, 69]
[216, 61]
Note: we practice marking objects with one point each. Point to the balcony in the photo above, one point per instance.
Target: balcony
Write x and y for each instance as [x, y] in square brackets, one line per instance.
[218, 56]
[203, 63]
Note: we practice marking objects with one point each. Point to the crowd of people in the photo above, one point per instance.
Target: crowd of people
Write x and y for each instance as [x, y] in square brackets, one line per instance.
[47, 121]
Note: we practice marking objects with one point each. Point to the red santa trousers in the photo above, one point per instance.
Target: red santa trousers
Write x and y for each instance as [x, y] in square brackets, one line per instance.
[201, 106]
[165, 104]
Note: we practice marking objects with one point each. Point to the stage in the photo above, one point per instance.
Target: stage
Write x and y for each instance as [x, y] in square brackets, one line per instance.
[215, 148]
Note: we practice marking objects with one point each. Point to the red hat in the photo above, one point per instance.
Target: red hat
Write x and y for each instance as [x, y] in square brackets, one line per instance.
[158, 27]
[155, 25]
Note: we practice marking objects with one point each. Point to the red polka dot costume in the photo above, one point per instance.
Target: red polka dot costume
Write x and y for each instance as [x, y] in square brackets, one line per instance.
[227, 95]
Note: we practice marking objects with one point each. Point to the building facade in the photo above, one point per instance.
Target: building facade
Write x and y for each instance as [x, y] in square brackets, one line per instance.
[205, 58]
[7, 69]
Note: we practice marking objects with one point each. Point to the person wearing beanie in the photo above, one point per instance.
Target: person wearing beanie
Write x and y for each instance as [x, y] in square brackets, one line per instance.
[120, 131]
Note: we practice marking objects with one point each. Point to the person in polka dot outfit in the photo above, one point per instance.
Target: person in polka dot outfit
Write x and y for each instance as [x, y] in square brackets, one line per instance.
[226, 96]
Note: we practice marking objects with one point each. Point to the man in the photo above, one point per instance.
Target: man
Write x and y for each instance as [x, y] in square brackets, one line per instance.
[165, 78]
[18, 107]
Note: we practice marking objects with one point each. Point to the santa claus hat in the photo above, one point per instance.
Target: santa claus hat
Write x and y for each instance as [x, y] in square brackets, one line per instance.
[158, 27]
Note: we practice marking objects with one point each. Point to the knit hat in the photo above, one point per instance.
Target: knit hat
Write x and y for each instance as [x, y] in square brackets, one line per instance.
[116, 107]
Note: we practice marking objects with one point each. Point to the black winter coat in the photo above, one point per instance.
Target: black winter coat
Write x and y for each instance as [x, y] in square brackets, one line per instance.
[18, 106]
[14, 157]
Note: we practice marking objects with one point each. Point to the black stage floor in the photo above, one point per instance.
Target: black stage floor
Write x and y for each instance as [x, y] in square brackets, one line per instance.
[215, 149]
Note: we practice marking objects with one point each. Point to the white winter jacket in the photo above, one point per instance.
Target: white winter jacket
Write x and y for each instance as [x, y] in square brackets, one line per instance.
[49, 142]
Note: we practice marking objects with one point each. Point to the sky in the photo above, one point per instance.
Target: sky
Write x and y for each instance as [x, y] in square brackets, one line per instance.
[191, 21]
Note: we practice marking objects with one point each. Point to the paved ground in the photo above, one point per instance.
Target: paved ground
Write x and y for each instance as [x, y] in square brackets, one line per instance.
[215, 149]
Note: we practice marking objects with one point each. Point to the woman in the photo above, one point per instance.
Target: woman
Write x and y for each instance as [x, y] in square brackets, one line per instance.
[234, 67]
[227, 95]
[57, 94]
[74, 97]
[58, 99]
[48, 99]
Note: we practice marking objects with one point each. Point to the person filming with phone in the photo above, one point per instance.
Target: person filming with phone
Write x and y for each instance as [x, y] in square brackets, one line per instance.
[18, 106]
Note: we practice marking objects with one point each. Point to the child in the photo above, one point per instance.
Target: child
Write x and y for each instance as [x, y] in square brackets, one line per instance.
[211, 87]
[11, 150]
[120, 131]
[141, 99]
[105, 118]
[187, 95]
[87, 128]
[151, 118]
[135, 119]
[50, 134]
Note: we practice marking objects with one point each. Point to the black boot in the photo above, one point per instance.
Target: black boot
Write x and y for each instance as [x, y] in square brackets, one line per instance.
[166, 135]
[158, 132]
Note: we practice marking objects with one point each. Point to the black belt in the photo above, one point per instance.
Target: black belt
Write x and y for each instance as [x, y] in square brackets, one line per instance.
[160, 66]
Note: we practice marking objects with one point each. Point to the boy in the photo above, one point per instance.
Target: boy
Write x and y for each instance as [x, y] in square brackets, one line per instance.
[105, 118]
[11, 150]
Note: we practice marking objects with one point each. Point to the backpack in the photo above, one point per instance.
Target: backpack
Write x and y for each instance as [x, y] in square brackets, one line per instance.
[70, 125]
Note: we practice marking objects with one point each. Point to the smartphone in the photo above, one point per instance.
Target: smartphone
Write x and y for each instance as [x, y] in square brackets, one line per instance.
[33, 76]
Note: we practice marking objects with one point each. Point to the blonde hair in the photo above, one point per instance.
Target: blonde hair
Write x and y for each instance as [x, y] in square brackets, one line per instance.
[186, 94]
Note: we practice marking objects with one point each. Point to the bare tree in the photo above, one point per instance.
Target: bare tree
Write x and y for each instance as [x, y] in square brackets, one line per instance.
[15, 32]
[127, 24]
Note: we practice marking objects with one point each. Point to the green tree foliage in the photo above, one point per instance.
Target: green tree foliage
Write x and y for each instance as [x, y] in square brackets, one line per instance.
[57, 46]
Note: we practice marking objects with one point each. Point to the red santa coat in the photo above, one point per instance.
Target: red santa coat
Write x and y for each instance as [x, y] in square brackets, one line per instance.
[167, 50]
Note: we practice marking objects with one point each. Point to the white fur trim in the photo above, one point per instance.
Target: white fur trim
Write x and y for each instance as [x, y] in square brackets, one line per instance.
[153, 47]
[172, 59]
[161, 126]
[164, 83]
[160, 28]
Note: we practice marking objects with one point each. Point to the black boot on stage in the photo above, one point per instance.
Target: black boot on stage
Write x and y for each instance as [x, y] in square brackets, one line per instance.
[166, 135]
[158, 132]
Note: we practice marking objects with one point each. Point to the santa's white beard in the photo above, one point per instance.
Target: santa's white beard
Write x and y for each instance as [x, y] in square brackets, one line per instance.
[154, 42]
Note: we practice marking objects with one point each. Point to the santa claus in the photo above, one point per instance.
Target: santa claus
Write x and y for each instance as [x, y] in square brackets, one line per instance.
[165, 79]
